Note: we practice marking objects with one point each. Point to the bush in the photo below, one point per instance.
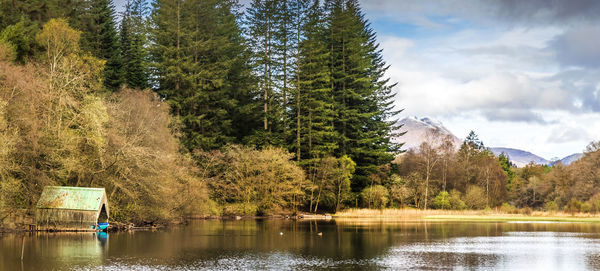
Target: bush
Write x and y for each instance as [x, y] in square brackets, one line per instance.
[509, 209]
[21, 38]
[573, 206]
[375, 196]
[475, 198]
[594, 203]
[586, 207]
[239, 209]
[455, 202]
[442, 200]
[526, 210]
[266, 178]
[551, 206]
[7, 53]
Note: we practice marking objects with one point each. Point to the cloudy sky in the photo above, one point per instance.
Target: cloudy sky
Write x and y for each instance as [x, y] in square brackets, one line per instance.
[521, 74]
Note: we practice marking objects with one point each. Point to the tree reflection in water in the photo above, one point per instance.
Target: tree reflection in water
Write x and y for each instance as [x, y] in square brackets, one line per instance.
[348, 244]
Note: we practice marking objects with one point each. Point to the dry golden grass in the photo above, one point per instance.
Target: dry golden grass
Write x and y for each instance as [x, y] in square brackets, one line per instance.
[464, 215]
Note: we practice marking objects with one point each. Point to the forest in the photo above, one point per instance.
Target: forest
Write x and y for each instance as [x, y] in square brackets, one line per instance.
[188, 107]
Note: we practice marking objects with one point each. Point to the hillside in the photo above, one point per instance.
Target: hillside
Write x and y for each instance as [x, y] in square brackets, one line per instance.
[417, 129]
[520, 157]
[569, 159]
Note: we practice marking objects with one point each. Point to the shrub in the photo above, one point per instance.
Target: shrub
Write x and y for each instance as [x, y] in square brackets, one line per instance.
[442, 200]
[475, 198]
[551, 206]
[508, 208]
[586, 207]
[239, 209]
[21, 38]
[375, 196]
[594, 203]
[455, 202]
[266, 178]
[526, 210]
[573, 206]
[7, 53]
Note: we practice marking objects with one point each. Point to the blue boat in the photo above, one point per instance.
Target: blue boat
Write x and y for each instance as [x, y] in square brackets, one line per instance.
[102, 226]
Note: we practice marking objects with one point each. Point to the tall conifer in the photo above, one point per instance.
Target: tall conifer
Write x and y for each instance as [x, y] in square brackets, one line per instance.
[101, 40]
[362, 95]
[201, 65]
[133, 44]
[261, 25]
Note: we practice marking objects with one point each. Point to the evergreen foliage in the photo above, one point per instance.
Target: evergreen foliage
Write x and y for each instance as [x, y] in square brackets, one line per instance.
[21, 36]
[200, 65]
[312, 107]
[133, 44]
[101, 40]
[261, 24]
[362, 96]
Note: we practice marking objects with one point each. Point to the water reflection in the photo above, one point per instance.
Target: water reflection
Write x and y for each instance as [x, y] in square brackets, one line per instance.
[347, 244]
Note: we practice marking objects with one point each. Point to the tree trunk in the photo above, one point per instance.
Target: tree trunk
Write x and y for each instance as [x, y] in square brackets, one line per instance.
[178, 42]
[318, 199]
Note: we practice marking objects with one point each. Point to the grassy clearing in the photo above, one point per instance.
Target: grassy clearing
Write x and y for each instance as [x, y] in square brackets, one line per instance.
[465, 215]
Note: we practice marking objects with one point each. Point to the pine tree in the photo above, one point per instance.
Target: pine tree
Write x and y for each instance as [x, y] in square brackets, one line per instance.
[285, 44]
[200, 60]
[261, 25]
[362, 96]
[312, 110]
[133, 44]
[101, 40]
[40, 11]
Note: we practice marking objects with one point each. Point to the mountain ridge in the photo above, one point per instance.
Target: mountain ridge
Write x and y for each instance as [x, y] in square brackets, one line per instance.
[417, 130]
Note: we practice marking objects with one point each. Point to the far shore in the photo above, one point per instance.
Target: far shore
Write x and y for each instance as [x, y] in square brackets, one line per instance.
[464, 215]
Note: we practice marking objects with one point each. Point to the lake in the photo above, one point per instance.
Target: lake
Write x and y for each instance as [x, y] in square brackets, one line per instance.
[277, 244]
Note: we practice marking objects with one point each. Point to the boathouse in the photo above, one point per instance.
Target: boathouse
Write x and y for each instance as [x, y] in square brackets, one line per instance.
[62, 208]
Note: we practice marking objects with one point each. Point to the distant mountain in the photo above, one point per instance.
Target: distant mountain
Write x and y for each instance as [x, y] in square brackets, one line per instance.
[417, 128]
[520, 157]
[416, 133]
[569, 159]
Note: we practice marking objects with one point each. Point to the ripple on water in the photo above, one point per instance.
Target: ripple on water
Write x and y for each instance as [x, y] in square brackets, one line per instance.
[255, 261]
[511, 251]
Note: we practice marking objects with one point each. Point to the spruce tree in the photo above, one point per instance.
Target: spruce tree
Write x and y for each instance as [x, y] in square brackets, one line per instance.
[199, 59]
[285, 44]
[133, 41]
[101, 40]
[262, 24]
[312, 104]
[362, 95]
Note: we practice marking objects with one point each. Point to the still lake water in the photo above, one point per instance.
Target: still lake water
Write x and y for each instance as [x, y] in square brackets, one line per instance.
[291, 245]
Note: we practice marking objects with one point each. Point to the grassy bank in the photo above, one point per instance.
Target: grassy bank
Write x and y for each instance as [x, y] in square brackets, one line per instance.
[465, 215]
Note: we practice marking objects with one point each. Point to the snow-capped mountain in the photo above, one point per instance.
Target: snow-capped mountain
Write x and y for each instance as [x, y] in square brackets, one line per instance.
[520, 157]
[569, 159]
[417, 130]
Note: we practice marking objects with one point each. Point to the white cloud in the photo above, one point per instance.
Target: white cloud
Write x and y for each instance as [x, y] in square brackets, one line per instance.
[504, 83]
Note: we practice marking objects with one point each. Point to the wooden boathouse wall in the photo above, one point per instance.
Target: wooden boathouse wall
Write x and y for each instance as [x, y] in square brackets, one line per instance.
[71, 208]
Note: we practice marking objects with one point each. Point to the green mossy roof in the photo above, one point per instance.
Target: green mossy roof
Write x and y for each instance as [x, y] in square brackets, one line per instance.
[72, 198]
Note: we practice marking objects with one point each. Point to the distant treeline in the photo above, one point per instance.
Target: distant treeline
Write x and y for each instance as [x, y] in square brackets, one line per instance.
[438, 175]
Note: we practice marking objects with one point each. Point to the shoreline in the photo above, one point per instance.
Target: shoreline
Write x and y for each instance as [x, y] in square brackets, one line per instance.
[465, 215]
[116, 226]
[392, 215]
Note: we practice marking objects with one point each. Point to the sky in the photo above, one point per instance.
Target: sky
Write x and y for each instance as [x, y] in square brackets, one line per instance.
[521, 74]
